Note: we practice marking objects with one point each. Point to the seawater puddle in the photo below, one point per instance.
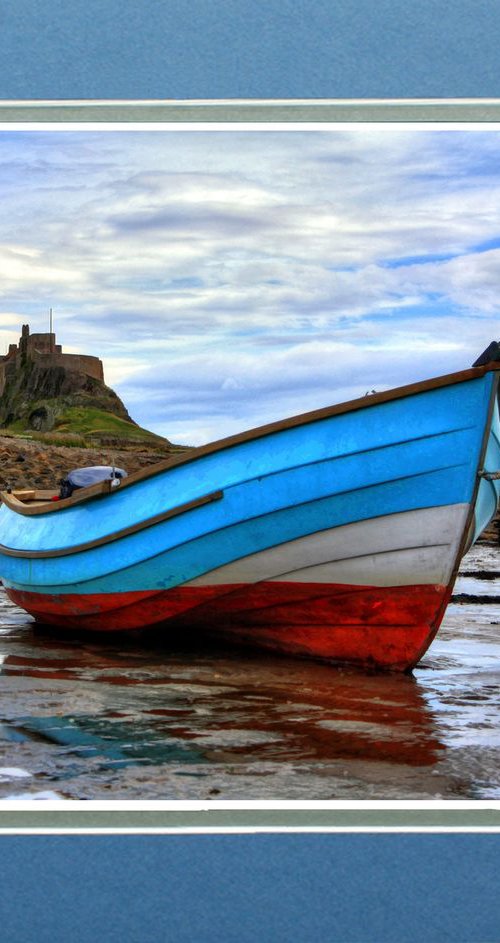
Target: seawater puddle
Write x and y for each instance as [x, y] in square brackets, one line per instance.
[137, 718]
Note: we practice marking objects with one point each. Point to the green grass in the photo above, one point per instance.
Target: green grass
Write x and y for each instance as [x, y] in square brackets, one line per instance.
[86, 427]
[91, 421]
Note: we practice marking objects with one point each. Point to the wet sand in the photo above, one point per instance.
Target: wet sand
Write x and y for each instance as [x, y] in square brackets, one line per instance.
[130, 718]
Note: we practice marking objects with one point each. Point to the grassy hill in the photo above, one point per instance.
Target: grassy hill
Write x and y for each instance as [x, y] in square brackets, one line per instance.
[89, 426]
[59, 406]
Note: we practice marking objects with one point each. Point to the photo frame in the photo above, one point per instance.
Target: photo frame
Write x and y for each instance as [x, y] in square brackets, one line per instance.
[368, 854]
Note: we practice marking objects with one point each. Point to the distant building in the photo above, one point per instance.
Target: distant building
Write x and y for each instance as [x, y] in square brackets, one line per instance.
[42, 349]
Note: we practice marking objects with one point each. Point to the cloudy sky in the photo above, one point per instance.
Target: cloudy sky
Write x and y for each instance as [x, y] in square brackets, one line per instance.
[229, 278]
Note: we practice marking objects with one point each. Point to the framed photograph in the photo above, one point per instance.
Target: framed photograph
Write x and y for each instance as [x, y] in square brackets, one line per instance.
[254, 656]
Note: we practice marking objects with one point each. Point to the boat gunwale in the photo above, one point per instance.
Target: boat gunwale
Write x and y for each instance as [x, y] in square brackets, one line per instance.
[104, 488]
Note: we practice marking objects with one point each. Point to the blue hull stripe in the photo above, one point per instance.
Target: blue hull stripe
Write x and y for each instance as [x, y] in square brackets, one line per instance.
[352, 466]
[198, 556]
[418, 417]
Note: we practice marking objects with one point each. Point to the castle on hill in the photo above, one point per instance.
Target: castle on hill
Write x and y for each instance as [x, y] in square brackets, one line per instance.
[43, 350]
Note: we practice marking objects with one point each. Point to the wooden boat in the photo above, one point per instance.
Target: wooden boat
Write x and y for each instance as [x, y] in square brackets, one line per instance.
[335, 534]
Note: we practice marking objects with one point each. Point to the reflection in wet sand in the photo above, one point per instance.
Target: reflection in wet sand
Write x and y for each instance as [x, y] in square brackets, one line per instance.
[131, 718]
[209, 707]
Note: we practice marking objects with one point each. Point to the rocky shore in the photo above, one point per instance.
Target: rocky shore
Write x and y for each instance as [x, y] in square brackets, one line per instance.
[491, 535]
[26, 463]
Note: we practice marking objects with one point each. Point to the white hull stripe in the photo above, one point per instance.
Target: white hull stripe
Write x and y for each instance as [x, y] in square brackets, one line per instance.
[410, 548]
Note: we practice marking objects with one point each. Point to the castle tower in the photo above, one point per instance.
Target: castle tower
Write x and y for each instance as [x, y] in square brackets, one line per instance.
[23, 342]
[42, 349]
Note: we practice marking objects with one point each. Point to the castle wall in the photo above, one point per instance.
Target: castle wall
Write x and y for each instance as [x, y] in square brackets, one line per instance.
[79, 363]
[7, 365]
[43, 349]
[42, 344]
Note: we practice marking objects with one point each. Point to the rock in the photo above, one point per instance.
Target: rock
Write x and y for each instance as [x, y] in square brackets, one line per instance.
[43, 465]
[44, 390]
[41, 419]
[38, 381]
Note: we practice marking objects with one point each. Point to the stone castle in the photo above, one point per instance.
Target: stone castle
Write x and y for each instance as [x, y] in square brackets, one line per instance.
[43, 350]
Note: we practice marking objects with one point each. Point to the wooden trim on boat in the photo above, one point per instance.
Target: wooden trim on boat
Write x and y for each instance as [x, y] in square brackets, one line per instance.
[118, 534]
[83, 494]
[363, 402]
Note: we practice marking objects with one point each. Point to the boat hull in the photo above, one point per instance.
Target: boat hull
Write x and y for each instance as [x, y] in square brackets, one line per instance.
[388, 627]
[308, 596]
[337, 537]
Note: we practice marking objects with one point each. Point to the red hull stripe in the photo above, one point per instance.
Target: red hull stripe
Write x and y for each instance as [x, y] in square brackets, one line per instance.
[389, 626]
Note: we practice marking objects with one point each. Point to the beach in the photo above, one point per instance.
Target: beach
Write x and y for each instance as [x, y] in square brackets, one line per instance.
[144, 717]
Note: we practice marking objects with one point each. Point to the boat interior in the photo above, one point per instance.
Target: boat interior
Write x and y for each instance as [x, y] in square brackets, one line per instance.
[35, 497]
[38, 500]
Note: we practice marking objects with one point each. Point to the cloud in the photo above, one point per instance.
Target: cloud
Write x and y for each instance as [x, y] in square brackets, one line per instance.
[228, 277]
